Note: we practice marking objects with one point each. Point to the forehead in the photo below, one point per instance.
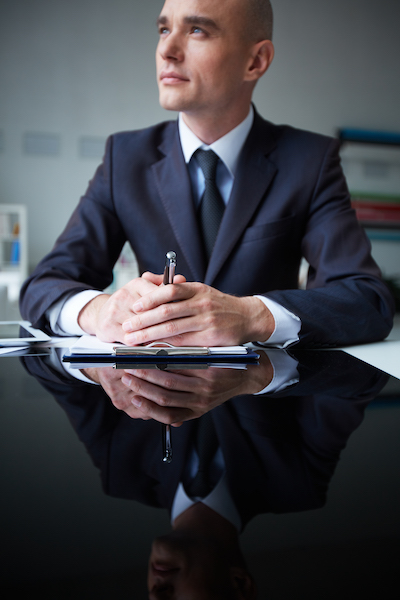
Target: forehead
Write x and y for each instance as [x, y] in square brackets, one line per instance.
[224, 13]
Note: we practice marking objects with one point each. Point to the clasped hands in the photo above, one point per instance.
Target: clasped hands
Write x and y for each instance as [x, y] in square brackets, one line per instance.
[183, 314]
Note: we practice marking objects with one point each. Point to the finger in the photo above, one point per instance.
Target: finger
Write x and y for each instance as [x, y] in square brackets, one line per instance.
[140, 286]
[153, 277]
[179, 332]
[155, 393]
[119, 305]
[180, 279]
[149, 410]
[166, 304]
[165, 294]
[170, 380]
[158, 279]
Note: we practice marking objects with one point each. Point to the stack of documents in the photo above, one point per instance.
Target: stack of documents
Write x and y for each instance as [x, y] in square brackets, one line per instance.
[90, 348]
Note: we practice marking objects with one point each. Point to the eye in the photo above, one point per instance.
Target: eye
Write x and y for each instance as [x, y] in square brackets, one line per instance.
[163, 30]
[198, 31]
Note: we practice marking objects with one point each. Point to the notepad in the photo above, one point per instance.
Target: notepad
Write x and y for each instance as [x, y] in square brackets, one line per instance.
[90, 344]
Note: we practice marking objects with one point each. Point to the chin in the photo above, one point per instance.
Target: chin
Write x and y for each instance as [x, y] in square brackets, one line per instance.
[170, 105]
[171, 101]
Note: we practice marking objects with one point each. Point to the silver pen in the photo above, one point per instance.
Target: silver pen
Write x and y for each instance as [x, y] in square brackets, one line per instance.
[170, 266]
[169, 273]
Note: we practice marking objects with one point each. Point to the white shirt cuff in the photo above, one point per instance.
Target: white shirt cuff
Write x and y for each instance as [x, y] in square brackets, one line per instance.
[285, 371]
[63, 315]
[287, 325]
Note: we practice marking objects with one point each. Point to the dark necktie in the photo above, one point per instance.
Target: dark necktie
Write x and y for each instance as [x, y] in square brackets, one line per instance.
[206, 446]
[211, 205]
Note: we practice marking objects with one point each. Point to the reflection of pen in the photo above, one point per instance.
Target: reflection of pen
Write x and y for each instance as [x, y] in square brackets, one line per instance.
[169, 272]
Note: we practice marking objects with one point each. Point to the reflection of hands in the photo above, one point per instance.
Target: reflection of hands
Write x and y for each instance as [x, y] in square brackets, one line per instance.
[110, 380]
[103, 316]
[194, 314]
[172, 397]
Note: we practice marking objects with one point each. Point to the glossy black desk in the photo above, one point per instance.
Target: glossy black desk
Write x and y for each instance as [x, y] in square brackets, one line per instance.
[335, 534]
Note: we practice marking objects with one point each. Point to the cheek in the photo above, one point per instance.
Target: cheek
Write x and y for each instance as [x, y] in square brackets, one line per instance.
[222, 73]
[158, 60]
[213, 76]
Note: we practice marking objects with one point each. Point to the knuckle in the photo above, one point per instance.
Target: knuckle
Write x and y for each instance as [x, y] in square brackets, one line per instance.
[169, 383]
[165, 310]
[120, 296]
[136, 387]
[138, 321]
[171, 328]
[208, 388]
[162, 401]
[206, 305]
[203, 403]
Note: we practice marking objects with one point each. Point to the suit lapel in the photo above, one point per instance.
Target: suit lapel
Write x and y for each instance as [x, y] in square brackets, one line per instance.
[173, 184]
[254, 175]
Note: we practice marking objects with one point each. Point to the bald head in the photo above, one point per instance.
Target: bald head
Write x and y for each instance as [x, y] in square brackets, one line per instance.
[259, 19]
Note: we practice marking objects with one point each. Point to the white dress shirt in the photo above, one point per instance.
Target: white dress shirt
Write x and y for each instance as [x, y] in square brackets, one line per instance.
[63, 315]
[219, 500]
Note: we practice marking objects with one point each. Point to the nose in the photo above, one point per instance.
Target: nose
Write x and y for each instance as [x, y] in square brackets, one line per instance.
[170, 48]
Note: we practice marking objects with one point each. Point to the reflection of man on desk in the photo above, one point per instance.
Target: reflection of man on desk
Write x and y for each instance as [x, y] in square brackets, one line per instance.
[271, 195]
[264, 454]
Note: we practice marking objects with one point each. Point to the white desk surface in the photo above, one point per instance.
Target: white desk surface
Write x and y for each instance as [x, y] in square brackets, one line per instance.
[383, 355]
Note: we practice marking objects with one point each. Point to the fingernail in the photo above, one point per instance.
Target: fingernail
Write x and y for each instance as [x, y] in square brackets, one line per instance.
[136, 402]
[138, 307]
[127, 326]
[126, 380]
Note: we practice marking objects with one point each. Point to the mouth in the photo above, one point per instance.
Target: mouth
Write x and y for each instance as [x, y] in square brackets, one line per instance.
[171, 78]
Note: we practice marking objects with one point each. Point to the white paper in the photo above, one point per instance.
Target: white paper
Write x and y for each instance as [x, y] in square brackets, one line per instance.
[89, 344]
[9, 349]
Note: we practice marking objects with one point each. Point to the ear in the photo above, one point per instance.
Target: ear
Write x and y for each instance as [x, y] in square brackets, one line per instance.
[262, 55]
[243, 583]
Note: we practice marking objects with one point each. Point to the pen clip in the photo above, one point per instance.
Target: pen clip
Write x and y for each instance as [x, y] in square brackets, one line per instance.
[170, 266]
[167, 443]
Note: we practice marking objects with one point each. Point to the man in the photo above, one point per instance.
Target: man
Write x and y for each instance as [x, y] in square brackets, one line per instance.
[283, 195]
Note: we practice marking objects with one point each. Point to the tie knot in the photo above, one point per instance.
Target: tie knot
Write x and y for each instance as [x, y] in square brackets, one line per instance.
[208, 161]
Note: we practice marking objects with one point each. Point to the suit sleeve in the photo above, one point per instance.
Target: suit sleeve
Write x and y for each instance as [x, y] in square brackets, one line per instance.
[85, 253]
[346, 301]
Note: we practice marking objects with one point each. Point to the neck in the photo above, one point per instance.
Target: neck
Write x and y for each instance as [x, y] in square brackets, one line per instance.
[199, 519]
[211, 128]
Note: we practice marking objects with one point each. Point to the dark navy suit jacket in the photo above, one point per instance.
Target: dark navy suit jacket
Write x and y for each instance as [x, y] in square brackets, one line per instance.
[289, 200]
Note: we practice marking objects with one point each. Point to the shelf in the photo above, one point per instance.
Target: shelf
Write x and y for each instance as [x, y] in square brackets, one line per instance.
[13, 248]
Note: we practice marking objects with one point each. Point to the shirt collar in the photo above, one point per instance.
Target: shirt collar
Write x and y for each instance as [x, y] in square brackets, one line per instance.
[219, 500]
[228, 147]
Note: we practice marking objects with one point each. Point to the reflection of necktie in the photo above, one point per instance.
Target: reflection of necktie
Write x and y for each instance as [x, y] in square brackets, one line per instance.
[206, 446]
[211, 206]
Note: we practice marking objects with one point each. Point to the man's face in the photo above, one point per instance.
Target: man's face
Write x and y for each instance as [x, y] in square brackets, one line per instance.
[202, 56]
[183, 567]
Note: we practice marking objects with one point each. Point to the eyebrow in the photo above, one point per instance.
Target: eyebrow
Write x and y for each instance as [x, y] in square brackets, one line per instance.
[192, 20]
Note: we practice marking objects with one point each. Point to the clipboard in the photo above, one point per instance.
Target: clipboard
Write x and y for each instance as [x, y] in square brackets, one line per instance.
[191, 357]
